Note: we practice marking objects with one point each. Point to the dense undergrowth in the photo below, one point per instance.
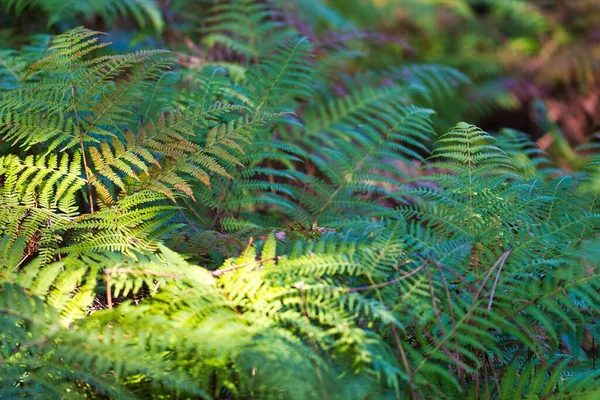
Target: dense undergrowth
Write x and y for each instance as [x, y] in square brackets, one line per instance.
[271, 217]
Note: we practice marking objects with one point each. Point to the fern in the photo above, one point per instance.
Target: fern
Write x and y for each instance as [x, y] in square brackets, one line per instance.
[12, 67]
[245, 26]
[284, 74]
[143, 11]
[278, 227]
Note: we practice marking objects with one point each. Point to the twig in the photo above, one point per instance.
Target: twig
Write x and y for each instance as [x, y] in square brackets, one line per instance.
[500, 261]
[109, 271]
[466, 318]
[108, 292]
[503, 258]
[384, 284]
[237, 266]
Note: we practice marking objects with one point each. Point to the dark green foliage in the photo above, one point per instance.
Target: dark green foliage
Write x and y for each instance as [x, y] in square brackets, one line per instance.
[240, 231]
[142, 11]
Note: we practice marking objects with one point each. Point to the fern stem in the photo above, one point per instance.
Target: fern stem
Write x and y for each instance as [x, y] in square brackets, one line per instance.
[80, 131]
[85, 168]
[452, 315]
[300, 203]
[285, 65]
[405, 364]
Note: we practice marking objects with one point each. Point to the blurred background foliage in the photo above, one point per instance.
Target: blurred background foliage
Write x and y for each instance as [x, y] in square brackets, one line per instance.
[515, 51]
[532, 65]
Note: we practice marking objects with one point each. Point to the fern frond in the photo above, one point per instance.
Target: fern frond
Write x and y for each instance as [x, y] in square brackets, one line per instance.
[284, 75]
[245, 26]
[47, 182]
[132, 223]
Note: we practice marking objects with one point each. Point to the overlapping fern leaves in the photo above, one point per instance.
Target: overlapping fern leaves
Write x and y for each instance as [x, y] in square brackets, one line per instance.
[44, 325]
[88, 111]
[245, 26]
[346, 250]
